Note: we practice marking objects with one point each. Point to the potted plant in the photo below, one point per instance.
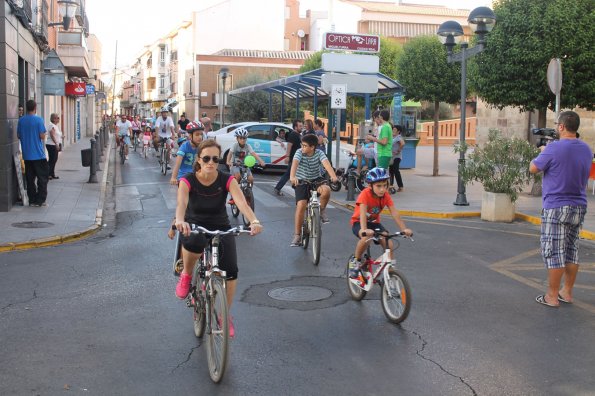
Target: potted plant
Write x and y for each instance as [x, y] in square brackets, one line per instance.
[501, 165]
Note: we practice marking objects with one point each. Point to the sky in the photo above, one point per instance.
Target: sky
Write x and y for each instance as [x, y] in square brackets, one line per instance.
[136, 23]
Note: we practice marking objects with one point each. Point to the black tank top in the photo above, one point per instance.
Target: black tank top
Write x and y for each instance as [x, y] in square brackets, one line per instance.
[206, 204]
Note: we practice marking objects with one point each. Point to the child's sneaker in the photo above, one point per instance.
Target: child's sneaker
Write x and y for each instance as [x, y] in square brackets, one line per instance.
[183, 286]
[354, 272]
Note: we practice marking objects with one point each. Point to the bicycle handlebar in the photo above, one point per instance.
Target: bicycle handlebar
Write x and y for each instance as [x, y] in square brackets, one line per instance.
[383, 234]
[196, 229]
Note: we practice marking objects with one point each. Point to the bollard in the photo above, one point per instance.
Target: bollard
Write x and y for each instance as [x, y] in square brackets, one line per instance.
[97, 153]
[92, 169]
[100, 143]
[350, 186]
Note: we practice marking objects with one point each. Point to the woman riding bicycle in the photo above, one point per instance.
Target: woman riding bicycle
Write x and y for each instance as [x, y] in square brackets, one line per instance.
[202, 197]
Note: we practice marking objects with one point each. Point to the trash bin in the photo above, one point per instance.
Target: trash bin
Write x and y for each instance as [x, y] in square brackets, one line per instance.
[86, 157]
[409, 150]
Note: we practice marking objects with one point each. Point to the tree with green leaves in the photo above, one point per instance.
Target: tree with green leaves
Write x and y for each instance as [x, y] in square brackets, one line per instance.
[252, 106]
[512, 71]
[426, 75]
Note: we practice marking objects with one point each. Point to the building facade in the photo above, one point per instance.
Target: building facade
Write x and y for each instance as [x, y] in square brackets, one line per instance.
[39, 58]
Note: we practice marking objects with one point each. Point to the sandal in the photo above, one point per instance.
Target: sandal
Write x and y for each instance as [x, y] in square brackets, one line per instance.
[541, 299]
[562, 299]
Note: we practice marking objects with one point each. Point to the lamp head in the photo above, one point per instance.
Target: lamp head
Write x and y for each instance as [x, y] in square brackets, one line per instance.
[67, 9]
[450, 33]
[481, 21]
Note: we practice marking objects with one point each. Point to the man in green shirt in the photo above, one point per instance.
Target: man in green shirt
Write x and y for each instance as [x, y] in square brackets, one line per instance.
[384, 139]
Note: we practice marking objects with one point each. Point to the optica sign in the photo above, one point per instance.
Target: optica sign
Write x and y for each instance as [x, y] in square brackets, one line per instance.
[351, 42]
[75, 88]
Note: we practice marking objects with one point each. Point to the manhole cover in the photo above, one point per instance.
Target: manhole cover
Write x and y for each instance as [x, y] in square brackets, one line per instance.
[32, 224]
[300, 293]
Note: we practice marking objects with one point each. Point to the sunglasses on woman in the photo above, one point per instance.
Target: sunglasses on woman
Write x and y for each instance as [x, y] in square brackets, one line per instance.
[207, 158]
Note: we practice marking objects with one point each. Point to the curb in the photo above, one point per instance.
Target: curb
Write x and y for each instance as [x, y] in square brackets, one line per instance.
[584, 234]
[73, 236]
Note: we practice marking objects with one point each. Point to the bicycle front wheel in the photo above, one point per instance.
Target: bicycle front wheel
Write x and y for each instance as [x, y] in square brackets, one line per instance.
[305, 232]
[250, 201]
[356, 292]
[162, 161]
[316, 235]
[122, 154]
[396, 296]
[218, 334]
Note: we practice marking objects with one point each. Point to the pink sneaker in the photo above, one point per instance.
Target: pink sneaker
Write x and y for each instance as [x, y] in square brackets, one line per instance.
[183, 286]
[232, 330]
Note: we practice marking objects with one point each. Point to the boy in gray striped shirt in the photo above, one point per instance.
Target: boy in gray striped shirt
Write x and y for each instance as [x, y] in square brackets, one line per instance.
[307, 166]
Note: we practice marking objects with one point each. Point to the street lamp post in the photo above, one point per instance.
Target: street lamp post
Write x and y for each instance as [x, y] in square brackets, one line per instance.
[66, 9]
[481, 20]
[223, 74]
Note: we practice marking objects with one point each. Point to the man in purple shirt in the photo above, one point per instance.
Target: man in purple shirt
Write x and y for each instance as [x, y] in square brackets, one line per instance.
[565, 165]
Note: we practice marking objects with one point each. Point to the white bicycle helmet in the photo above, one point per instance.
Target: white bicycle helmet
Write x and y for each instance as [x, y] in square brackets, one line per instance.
[241, 132]
[165, 109]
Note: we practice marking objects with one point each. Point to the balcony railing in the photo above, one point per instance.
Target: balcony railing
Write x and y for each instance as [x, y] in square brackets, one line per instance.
[41, 25]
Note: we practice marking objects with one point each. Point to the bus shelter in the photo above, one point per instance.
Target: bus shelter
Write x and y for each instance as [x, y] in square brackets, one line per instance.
[308, 86]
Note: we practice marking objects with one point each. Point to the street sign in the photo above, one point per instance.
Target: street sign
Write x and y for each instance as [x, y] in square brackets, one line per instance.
[554, 80]
[351, 42]
[90, 89]
[355, 83]
[339, 96]
[350, 63]
[554, 76]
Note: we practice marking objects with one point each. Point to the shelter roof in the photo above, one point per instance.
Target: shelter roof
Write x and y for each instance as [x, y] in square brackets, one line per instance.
[308, 85]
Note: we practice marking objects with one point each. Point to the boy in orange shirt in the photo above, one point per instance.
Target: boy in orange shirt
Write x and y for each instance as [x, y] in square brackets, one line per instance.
[366, 216]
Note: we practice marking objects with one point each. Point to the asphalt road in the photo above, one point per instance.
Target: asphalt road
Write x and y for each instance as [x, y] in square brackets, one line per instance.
[100, 316]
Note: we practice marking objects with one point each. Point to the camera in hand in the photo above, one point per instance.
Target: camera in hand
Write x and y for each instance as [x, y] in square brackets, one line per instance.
[548, 135]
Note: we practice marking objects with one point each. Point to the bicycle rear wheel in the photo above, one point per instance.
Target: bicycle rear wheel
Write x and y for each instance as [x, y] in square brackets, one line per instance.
[356, 292]
[396, 306]
[250, 201]
[360, 182]
[316, 235]
[218, 334]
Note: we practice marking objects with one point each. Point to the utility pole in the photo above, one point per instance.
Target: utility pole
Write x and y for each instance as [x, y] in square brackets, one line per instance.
[114, 79]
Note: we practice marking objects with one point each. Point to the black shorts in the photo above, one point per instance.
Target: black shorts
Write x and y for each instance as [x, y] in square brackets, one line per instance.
[372, 226]
[302, 191]
[228, 260]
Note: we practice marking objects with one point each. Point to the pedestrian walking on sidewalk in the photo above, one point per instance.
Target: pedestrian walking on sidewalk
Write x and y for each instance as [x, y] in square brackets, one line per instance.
[31, 132]
[565, 165]
[53, 144]
[395, 173]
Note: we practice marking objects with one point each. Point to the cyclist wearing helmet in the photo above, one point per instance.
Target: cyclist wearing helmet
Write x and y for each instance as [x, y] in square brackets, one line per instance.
[187, 152]
[164, 127]
[123, 132]
[238, 152]
[366, 216]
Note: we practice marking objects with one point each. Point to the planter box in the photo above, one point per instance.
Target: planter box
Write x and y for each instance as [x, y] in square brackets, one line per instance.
[497, 207]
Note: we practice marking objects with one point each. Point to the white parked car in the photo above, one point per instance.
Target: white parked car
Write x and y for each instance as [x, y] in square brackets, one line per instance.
[266, 138]
[225, 129]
